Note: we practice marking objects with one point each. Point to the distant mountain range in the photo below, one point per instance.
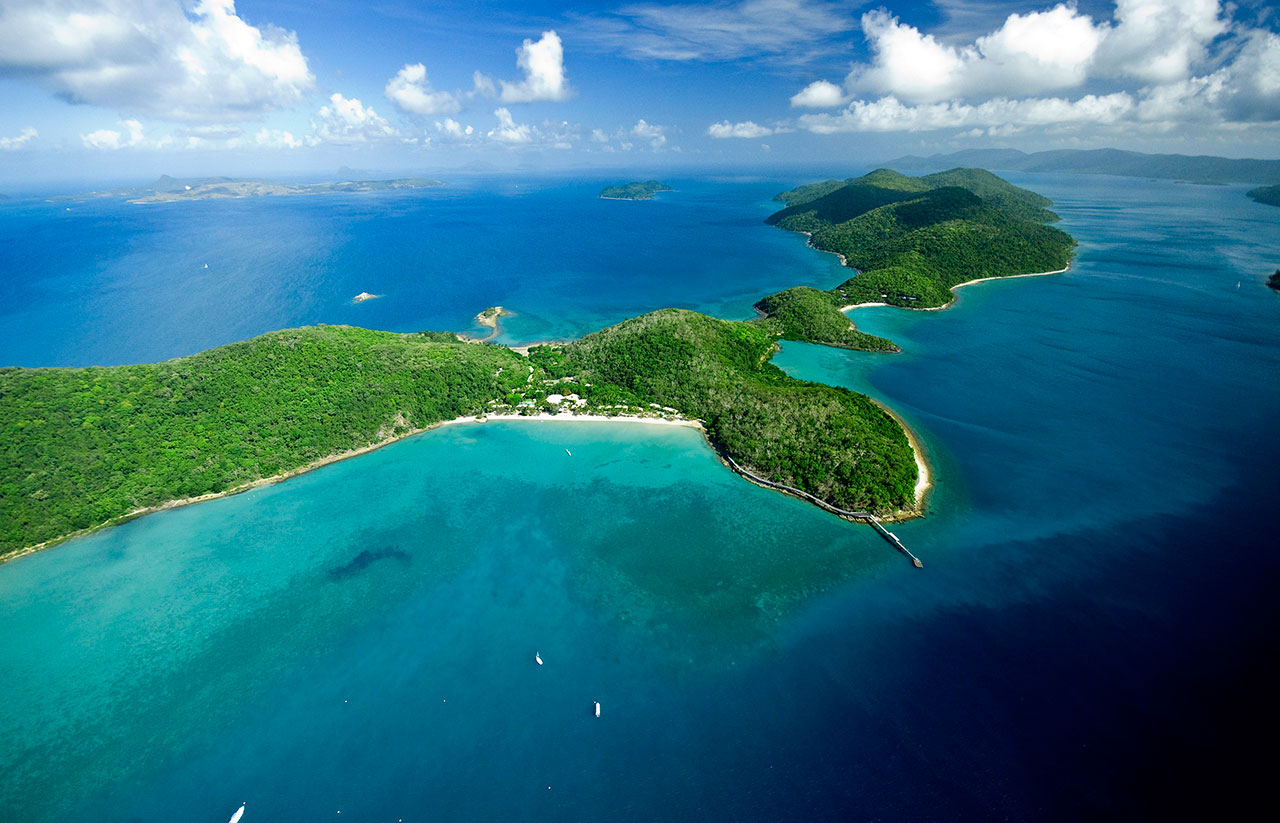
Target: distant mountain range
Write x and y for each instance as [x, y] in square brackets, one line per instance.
[1193, 169]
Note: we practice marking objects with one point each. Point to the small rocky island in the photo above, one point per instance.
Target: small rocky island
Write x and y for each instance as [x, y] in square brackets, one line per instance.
[1274, 281]
[634, 191]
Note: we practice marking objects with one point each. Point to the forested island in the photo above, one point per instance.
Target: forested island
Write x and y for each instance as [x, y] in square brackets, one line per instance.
[1274, 281]
[912, 239]
[85, 448]
[1266, 194]
[634, 191]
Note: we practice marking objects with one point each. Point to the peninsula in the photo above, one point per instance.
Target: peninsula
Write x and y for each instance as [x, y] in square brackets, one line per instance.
[634, 191]
[90, 447]
[1266, 194]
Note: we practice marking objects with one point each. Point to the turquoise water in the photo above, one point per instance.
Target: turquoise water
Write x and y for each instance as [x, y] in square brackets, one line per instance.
[1091, 636]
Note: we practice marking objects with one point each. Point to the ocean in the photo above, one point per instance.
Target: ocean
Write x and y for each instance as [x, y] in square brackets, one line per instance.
[1092, 634]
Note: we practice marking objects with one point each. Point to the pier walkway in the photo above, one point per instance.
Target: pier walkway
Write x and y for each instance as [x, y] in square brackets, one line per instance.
[867, 517]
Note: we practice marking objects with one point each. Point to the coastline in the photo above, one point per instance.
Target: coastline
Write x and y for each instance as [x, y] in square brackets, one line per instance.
[950, 302]
[924, 474]
[334, 458]
[844, 261]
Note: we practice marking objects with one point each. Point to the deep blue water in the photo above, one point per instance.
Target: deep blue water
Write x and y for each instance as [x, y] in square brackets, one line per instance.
[1092, 637]
[100, 282]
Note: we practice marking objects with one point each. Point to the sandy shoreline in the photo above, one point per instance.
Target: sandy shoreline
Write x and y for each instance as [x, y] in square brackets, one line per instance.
[948, 304]
[924, 475]
[346, 455]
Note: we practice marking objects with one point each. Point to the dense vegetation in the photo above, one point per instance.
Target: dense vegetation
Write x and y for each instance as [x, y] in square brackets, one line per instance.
[805, 313]
[634, 191]
[913, 238]
[1266, 194]
[830, 442]
[83, 446]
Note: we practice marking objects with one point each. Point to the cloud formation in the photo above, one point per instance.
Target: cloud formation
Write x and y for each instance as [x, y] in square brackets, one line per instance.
[15, 143]
[655, 134]
[784, 30]
[152, 57]
[820, 94]
[111, 139]
[544, 78]
[508, 131]
[1156, 64]
[747, 128]
[412, 92]
[346, 121]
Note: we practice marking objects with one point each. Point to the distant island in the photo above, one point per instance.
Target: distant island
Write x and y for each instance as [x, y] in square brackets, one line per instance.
[1192, 169]
[260, 188]
[634, 191]
[90, 447]
[1274, 281]
[912, 240]
[168, 189]
[1266, 194]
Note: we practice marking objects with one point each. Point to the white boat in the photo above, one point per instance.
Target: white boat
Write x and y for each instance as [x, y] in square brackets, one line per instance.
[566, 451]
[597, 708]
[235, 818]
[537, 656]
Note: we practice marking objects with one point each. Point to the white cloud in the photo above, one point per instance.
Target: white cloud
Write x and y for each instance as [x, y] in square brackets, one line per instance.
[744, 129]
[508, 131]
[1160, 41]
[820, 94]
[276, 139]
[347, 121]
[150, 56]
[1031, 53]
[454, 130]
[110, 139]
[1155, 65]
[785, 30]
[891, 114]
[598, 136]
[655, 134]
[544, 79]
[411, 91]
[15, 143]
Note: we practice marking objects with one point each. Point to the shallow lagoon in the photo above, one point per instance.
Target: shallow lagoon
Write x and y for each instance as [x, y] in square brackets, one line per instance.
[1089, 635]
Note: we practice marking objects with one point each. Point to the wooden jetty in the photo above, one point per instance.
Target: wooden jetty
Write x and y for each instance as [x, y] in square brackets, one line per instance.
[865, 517]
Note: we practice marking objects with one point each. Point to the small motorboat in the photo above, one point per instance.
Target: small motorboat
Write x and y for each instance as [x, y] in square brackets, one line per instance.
[235, 818]
[597, 708]
[566, 451]
[537, 657]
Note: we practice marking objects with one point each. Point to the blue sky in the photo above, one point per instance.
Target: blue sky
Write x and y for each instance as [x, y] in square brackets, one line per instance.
[124, 87]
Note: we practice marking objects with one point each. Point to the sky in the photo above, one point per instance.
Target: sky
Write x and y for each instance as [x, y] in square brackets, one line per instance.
[121, 88]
